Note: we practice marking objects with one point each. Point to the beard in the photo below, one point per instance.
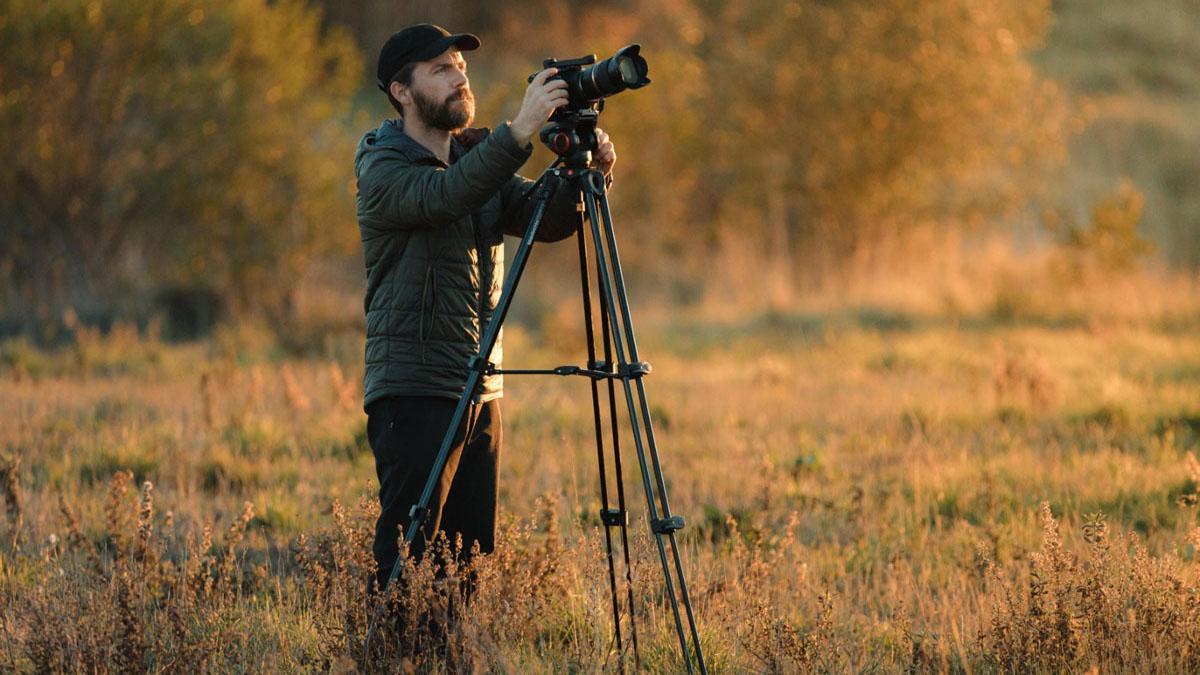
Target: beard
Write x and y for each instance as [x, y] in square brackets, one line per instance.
[455, 113]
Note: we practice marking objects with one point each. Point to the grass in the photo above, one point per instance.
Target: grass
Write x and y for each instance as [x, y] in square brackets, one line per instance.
[864, 491]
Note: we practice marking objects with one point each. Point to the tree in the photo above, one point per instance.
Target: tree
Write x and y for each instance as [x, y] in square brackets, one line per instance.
[840, 126]
[151, 142]
[826, 130]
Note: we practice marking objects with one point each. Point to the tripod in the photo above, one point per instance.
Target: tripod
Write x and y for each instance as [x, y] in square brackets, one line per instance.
[572, 140]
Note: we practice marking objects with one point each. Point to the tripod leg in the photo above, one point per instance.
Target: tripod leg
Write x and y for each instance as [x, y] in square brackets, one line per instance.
[618, 471]
[589, 334]
[595, 201]
[478, 367]
[618, 277]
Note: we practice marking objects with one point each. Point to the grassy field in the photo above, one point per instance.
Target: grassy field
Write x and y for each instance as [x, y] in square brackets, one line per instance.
[999, 476]
[865, 491]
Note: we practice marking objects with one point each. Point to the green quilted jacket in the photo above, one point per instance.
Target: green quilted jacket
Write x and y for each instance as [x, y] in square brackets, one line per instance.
[433, 243]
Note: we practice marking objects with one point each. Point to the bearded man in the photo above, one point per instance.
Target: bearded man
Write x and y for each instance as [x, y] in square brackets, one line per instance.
[435, 199]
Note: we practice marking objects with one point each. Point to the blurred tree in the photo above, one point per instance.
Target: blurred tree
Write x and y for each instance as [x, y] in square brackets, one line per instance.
[151, 142]
[371, 22]
[829, 132]
[842, 126]
[1110, 246]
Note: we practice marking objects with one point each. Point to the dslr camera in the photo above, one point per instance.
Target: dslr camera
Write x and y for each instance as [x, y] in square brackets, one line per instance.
[571, 129]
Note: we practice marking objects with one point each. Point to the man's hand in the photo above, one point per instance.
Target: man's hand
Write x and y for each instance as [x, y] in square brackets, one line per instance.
[541, 98]
[605, 155]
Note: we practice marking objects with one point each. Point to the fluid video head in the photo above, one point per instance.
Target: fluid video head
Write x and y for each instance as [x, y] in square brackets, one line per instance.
[571, 128]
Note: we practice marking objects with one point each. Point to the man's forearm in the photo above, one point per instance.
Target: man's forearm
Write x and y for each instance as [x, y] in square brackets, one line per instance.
[427, 196]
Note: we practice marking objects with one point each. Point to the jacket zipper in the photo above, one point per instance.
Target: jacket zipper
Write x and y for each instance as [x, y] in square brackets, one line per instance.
[480, 267]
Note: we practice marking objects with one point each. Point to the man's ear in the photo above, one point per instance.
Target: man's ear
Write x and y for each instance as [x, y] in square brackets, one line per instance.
[400, 93]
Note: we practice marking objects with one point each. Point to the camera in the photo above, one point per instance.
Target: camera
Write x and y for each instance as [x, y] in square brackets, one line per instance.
[588, 81]
[571, 129]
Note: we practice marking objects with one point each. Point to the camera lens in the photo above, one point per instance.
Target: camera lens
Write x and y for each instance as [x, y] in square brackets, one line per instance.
[629, 70]
[624, 70]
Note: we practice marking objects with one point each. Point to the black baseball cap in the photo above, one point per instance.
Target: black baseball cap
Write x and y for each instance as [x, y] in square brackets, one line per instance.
[421, 42]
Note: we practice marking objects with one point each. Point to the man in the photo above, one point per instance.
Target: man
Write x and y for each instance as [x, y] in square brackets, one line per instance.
[435, 200]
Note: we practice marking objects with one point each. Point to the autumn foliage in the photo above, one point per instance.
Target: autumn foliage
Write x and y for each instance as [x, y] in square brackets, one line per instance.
[187, 143]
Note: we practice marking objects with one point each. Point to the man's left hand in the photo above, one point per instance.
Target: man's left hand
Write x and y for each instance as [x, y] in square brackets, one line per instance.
[605, 155]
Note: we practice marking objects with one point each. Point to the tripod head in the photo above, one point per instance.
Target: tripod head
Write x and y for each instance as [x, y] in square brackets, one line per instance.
[572, 135]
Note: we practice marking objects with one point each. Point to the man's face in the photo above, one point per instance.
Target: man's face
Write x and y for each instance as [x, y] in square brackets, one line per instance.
[441, 93]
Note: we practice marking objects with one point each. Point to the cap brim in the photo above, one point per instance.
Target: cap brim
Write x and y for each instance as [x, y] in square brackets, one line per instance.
[464, 42]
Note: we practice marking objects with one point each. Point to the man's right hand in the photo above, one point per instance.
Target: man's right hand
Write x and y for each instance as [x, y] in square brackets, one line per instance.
[541, 98]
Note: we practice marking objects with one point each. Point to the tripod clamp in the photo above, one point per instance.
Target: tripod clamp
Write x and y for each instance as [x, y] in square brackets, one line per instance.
[667, 525]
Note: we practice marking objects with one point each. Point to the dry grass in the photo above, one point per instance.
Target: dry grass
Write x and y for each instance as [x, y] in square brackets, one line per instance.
[864, 491]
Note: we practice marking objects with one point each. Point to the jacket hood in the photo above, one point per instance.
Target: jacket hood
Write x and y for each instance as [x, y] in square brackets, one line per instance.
[388, 136]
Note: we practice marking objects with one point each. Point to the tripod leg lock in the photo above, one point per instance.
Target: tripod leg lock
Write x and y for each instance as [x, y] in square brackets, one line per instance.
[614, 517]
[632, 371]
[418, 514]
[666, 525]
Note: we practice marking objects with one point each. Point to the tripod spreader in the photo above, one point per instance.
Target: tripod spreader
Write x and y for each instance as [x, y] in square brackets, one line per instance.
[598, 370]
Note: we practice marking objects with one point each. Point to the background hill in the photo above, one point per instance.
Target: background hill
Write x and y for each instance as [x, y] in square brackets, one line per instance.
[1138, 68]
